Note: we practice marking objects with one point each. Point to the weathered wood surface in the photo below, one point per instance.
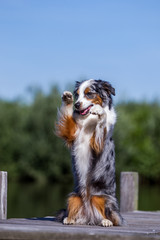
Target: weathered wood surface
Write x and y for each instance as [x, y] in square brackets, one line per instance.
[139, 225]
[3, 195]
[129, 191]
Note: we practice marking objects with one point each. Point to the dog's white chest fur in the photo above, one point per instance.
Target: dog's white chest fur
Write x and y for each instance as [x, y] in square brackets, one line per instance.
[82, 149]
[82, 154]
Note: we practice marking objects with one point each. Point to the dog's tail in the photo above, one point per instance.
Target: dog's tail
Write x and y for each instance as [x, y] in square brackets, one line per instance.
[60, 215]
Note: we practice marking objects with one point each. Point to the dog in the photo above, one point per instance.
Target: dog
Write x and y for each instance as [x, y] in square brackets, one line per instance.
[87, 128]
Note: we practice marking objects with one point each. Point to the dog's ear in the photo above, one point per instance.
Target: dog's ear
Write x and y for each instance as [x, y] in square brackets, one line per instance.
[108, 88]
[77, 84]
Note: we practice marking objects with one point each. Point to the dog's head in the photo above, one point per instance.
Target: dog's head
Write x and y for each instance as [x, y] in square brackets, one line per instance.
[90, 92]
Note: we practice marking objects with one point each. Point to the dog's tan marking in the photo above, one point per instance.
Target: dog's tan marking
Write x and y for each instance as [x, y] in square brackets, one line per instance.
[87, 90]
[78, 91]
[113, 219]
[74, 205]
[96, 146]
[99, 203]
[66, 128]
[97, 100]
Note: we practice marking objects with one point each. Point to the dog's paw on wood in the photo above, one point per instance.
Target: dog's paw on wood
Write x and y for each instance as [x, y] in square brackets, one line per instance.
[106, 223]
[68, 221]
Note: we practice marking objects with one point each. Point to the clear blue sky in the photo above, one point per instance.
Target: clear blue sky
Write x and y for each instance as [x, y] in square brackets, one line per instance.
[49, 42]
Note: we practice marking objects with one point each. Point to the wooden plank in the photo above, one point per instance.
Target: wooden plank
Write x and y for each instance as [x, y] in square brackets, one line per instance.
[3, 195]
[138, 226]
[128, 191]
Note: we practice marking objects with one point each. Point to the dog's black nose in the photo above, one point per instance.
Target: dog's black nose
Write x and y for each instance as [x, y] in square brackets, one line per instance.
[77, 105]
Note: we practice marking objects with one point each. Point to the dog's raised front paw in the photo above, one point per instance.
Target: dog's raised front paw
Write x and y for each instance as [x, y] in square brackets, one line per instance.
[97, 110]
[106, 223]
[68, 221]
[67, 97]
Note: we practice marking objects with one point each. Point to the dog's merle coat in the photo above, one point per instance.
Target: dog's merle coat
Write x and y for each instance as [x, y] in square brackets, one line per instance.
[88, 131]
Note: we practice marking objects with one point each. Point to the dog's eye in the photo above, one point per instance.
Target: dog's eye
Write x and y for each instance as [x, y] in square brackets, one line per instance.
[90, 95]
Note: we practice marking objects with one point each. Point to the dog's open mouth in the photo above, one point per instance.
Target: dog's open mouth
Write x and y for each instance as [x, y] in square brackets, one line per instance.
[85, 111]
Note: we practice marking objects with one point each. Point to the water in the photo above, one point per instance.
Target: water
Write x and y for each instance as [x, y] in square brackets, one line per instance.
[149, 197]
[33, 200]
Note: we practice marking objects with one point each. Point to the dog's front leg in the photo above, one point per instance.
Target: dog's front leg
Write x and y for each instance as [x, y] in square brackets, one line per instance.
[67, 103]
[99, 134]
[66, 125]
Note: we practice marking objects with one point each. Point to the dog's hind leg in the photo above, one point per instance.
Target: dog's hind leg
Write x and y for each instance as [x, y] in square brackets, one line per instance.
[112, 211]
[99, 203]
[74, 210]
[108, 209]
[114, 217]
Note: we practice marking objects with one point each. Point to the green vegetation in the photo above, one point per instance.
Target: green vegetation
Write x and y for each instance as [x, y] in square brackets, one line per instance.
[137, 138]
[29, 149]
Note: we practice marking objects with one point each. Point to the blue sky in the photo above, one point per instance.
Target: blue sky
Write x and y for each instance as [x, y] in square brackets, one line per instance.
[56, 42]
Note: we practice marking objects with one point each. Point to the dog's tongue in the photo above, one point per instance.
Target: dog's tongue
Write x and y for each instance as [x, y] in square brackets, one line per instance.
[84, 112]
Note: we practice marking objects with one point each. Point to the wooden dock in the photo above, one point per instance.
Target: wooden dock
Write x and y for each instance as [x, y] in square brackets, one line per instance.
[139, 225]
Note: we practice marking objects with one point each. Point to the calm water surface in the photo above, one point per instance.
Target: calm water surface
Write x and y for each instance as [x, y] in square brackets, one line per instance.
[33, 200]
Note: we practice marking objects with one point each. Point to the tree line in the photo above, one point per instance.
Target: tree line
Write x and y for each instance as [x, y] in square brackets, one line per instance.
[30, 150]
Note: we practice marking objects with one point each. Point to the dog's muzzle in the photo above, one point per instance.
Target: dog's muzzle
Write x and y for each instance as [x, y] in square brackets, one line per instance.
[77, 105]
[84, 111]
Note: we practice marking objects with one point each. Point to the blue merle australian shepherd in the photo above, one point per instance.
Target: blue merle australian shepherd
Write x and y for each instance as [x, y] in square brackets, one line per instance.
[87, 129]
